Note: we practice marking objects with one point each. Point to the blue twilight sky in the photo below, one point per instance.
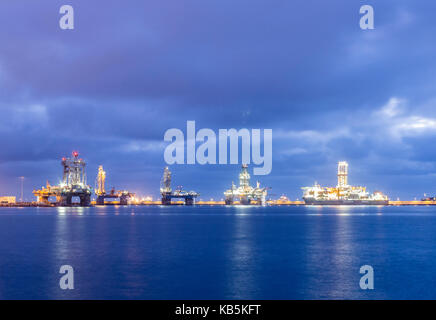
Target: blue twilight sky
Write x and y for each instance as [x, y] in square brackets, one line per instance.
[130, 70]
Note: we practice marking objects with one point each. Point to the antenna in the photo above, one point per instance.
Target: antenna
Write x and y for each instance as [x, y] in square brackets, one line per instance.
[22, 188]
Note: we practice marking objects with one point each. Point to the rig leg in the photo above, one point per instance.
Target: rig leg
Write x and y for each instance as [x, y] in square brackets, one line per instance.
[244, 201]
[66, 200]
[100, 200]
[261, 201]
[123, 201]
[85, 201]
[166, 201]
[43, 200]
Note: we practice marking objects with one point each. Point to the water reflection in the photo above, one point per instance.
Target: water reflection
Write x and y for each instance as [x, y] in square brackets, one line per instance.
[80, 211]
[101, 210]
[343, 210]
[342, 257]
[329, 252]
[62, 211]
[242, 210]
[60, 249]
[223, 253]
[241, 264]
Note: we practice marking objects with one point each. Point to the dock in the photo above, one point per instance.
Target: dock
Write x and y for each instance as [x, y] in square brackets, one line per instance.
[211, 203]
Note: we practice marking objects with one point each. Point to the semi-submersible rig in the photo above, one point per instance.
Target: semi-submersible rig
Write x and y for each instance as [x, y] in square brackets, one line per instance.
[245, 193]
[73, 184]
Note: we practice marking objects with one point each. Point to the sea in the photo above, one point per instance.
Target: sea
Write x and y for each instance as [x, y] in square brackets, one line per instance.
[218, 252]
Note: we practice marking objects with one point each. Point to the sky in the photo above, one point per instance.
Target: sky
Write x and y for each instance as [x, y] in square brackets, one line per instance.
[130, 70]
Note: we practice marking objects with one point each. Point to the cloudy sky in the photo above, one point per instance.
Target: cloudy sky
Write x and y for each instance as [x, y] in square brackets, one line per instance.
[130, 70]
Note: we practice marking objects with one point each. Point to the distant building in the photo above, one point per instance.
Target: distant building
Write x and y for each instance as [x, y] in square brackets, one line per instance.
[8, 200]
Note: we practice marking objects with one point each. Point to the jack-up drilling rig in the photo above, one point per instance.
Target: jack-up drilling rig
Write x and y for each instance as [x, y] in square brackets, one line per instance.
[168, 194]
[123, 195]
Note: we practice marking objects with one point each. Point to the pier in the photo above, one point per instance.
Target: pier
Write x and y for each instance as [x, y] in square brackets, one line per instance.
[182, 201]
[74, 185]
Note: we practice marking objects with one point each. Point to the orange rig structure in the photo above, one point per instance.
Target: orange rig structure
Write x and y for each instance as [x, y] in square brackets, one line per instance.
[74, 185]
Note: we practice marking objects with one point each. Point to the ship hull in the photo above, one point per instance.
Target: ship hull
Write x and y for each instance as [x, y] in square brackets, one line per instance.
[346, 202]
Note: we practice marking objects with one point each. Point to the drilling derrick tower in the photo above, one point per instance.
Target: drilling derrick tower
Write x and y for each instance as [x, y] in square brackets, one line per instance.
[74, 171]
[244, 177]
[74, 181]
[165, 184]
[245, 192]
[342, 174]
[73, 184]
[101, 178]
[167, 193]
[124, 195]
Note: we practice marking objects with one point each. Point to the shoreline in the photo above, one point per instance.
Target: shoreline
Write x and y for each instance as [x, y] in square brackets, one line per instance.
[220, 203]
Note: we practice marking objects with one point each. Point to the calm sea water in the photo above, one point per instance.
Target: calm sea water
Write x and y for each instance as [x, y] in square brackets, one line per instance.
[181, 252]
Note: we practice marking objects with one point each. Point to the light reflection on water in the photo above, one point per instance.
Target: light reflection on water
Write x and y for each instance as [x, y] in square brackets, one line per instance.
[240, 264]
[198, 252]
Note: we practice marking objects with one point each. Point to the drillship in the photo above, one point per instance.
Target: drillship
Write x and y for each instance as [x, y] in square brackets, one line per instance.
[343, 194]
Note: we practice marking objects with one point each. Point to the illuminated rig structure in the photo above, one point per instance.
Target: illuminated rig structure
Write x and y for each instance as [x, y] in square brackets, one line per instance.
[73, 184]
[343, 194]
[245, 193]
[168, 194]
[124, 196]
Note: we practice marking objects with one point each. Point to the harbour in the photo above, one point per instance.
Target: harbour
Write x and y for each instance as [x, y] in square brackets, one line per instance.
[217, 159]
[74, 185]
[219, 203]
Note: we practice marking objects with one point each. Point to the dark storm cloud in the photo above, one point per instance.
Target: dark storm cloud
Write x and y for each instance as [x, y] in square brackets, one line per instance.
[132, 69]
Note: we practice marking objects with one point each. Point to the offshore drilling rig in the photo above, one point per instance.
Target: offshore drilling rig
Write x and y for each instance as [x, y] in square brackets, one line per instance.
[343, 193]
[73, 184]
[245, 192]
[168, 194]
[100, 192]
